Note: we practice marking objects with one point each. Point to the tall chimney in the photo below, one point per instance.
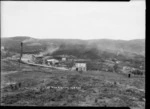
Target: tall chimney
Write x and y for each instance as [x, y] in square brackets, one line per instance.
[21, 51]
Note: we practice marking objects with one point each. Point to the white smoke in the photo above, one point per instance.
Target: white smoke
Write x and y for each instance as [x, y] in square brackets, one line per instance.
[120, 51]
[50, 49]
[34, 44]
[28, 40]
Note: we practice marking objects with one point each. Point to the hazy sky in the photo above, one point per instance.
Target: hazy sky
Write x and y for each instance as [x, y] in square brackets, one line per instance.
[73, 20]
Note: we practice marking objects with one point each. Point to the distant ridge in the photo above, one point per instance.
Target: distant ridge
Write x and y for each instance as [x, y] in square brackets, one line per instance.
[25, 37]
[94, 47]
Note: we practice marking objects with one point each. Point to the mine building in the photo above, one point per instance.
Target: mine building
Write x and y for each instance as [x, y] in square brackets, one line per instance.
[137, 72]
[27, 57]
[126, 69]
[61, 57]
[64, 59]
[45, 58]
[52, 62]
[37, 59]
[79, 66]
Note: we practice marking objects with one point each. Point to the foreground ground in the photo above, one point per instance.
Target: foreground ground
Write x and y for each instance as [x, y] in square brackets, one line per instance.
[48, 87]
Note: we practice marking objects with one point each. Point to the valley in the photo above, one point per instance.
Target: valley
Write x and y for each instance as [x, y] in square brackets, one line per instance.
[55, 73]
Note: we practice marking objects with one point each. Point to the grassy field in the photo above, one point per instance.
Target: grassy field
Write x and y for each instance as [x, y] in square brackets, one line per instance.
[47, 87]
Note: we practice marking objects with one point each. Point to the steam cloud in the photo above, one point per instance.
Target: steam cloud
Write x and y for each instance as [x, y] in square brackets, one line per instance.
[50, 49]
[28, 40]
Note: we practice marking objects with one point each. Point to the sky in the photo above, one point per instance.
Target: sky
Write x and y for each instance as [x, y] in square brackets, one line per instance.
[73, 20]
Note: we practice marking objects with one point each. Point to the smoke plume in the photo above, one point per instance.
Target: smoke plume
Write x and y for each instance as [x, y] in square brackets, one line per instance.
[50, 49]
[29, 40]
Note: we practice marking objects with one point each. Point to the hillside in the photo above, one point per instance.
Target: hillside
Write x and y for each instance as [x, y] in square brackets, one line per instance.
[35, 86]
[94, 49]
[27, 85]
[13, 44]
[133, 46]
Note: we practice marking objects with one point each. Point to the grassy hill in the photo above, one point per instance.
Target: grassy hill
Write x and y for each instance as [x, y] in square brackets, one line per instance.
[39, 87]
[13, 45]
[93, 49]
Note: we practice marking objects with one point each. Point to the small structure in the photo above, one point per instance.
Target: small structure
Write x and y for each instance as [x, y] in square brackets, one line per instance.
[137, 72]
[117, 62]
[45, 58]
[126, 69]
[132, 71]
[52, 62]
[27, 57]
[80, 66]
[109, 63]
[37, 59]
[64, 59]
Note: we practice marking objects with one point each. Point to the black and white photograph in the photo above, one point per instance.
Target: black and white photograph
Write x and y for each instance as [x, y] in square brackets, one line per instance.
[73, 53]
